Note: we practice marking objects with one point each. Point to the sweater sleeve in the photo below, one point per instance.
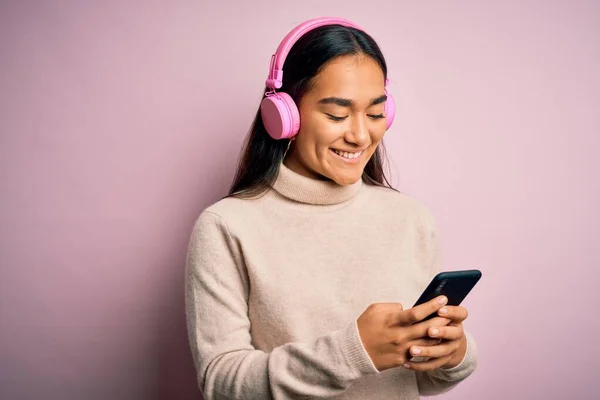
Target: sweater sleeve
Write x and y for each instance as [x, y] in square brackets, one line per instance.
[227, 364]
[442, 379]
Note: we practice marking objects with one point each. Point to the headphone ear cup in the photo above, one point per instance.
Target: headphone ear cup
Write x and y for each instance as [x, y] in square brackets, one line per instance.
[390, 109]
[280, 115]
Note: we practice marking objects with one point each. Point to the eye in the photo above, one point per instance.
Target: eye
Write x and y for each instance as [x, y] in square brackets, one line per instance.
[378, 116]
[336, 119]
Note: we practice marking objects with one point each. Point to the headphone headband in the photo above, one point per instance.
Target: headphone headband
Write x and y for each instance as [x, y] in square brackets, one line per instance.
[275, 78]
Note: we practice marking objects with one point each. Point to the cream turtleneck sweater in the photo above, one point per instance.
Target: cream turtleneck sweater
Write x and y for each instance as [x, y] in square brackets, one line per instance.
[274, 287]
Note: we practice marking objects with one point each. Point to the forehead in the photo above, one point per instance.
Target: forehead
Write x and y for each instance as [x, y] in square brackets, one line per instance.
[352, 77]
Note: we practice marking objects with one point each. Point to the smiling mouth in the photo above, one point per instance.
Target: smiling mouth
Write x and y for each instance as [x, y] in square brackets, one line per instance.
[348, 155]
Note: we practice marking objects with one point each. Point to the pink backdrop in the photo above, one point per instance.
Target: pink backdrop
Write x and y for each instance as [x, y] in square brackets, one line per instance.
[120, 121]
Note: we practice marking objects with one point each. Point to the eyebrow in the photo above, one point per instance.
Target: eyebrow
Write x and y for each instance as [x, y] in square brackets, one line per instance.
[349, 103]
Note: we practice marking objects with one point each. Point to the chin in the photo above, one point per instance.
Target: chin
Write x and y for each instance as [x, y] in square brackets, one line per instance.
[343, 176]
[346, 180]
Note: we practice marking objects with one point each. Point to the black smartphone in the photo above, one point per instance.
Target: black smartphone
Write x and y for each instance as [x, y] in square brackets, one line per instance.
[455, 285]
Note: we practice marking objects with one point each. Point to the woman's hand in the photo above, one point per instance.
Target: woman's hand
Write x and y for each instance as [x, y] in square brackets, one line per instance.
[452, 348]
[388, 331]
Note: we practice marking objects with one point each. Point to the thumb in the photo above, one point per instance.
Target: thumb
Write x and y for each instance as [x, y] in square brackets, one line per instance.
[396, 315]
[391, 311]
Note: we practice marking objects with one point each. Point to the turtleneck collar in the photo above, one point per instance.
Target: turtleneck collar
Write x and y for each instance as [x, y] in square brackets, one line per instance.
[312, 191]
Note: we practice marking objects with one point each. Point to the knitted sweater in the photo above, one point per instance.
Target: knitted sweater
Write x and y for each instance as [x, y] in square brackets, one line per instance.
[274, 286]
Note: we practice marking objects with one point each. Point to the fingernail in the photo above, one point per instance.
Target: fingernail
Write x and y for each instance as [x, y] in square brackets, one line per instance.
[407, 366]
[443, 310]
[443, 300]
[415, 351]
[434, 331]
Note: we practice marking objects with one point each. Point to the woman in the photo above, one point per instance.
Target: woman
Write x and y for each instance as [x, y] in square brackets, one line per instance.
[295, 281]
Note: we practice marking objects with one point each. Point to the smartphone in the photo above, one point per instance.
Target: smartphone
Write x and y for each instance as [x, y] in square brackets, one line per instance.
[455, 285]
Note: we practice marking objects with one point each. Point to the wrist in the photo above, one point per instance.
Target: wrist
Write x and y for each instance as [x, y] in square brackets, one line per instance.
[458, 356]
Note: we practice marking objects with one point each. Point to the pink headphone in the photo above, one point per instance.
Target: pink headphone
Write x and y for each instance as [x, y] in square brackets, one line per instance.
[279, 112]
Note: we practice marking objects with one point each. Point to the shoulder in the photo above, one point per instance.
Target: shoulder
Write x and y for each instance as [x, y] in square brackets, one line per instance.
[401, 206]
[403, 202]
[230, 212]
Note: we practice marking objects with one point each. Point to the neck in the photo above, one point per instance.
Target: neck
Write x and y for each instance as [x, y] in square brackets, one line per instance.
[312, 190]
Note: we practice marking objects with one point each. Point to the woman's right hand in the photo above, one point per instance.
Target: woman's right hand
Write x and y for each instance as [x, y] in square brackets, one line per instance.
[388, 331]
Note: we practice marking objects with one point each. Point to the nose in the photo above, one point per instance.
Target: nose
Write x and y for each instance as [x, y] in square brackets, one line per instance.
[358, 133]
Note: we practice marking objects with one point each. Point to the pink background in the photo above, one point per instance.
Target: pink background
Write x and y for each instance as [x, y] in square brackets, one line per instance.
[121, 121]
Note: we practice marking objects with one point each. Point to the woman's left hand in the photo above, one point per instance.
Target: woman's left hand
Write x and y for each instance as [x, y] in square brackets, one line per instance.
[453, 343]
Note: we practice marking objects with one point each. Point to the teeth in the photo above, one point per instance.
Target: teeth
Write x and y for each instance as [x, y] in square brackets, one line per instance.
[345, 154]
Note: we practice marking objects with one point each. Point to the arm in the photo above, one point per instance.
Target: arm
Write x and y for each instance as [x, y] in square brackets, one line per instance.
[227, 364]
[442, 379]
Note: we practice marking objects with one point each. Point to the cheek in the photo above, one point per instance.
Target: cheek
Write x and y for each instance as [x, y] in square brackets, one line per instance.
[377, 134]
[318, 132]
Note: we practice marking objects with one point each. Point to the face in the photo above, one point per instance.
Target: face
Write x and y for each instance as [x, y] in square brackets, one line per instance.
[342, 121]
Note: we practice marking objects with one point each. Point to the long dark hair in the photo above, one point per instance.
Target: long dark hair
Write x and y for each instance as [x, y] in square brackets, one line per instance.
[261, 156]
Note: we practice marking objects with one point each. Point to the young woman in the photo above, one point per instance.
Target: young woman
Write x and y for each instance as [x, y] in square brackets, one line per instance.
[296, 281]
